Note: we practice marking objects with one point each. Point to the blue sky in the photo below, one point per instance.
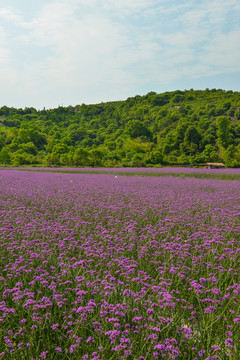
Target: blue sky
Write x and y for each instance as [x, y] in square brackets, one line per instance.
[69, 52]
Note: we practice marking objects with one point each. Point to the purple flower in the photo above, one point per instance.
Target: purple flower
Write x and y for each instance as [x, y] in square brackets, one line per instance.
[43, 355]
[90, 339]
[54, 326]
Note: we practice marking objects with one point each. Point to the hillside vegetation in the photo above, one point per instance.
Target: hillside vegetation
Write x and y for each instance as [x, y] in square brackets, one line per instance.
[180, 127]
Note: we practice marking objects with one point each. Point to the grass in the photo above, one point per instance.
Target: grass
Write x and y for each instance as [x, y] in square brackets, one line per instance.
[199, 174]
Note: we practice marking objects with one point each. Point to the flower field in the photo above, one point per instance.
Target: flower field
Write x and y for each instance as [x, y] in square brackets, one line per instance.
[200, 173]
[103, 266]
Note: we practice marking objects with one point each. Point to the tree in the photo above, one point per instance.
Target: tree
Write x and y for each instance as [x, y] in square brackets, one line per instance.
[31, 134]
[80, 157]
[223, 135]
[54, 157]
[59, 149]
[137, 128]
[180, 131]
[169, 143]
[13, 121]
[229, 155]
[96, 157]
[237, 114]
[155, 157]
[183, 159]
[22, 158]
[142, 127]
[29, 148]
[5, 158]
[76, 133]
[138, 160]
[227, 105]
[192, 135]
[210, 154]
[177, 98]
[2, 142]
[66, 159]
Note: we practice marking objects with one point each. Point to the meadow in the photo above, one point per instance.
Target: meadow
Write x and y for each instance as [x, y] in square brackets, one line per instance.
[200, 173]
[108, 266]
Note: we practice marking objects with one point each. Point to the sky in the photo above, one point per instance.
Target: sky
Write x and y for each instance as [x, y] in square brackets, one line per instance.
[69, 52]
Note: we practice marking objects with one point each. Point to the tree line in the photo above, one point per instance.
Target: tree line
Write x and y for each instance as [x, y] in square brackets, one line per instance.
[178, 127]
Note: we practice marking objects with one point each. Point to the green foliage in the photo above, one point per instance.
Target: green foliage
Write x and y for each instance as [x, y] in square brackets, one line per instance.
[2, 142]
[5, 158]
[81, 157]
[20, 158]
[237, 114]
[137, 128]
[96, 157]
[179, 127]
[29, 148]
[223, 135]
[183, 159]
[210, 154]
[192, 135]
[76, 133]
[155, 157]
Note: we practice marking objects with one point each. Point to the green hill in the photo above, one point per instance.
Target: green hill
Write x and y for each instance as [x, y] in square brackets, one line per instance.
[180, 127]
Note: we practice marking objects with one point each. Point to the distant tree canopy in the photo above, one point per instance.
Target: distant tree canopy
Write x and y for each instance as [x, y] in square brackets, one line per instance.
[137, 128]
[223, 135]
[178, 127]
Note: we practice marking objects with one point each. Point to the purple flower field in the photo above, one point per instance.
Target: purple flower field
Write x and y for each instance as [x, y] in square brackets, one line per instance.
[100, 267]
[201, 173]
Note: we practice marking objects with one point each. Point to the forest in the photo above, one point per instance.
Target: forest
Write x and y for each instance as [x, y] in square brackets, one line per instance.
[188, 127]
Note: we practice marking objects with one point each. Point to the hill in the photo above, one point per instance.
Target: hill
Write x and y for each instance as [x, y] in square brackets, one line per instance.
[179, 127]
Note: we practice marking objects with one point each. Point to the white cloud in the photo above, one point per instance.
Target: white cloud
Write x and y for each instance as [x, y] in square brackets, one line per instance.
[3, 49]
[203, 44]
[127, 6]
[124, 6]
[92, 48]
[10, 14]
[223, 52]
[7, 73]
